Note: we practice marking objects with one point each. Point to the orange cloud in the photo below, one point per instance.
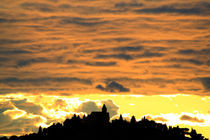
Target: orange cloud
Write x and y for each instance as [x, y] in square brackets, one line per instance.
[191, 119]
[93, 39]
[54, 53]
[156, 118]
[14, 114]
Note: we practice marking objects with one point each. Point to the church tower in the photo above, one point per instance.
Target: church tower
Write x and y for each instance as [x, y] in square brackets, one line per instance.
[104, 109]
[99, 118]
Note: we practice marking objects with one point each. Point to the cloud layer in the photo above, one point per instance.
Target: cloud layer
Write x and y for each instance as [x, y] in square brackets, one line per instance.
[31, 112]
[113, 87]
[192, 119]
[149, 47]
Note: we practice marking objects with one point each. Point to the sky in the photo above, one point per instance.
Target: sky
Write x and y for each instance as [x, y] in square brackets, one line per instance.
[139, 57]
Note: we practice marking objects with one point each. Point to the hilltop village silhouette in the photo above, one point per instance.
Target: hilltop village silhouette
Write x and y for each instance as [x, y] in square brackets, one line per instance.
[97, 126]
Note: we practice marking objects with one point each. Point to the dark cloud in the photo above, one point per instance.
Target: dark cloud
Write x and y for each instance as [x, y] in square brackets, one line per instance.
[13, 41]
[205, 51]
[187, 51]
[40, 28]
[141, 80]
[206, 82]
[74, 62]
[189, 89]
[116, 49]
[42, 80]
[9, 90]
[173, 66]
[82, 21]
[149, 54]
[12, 127]
[100, 87]
[113, 87]
[124, 56]
[17, 88]
[112, 63]
[88, 107]
[159, 48]
[94, 50]
[43, 7]
[94, 63]
[170, 9]
[115, 39]
[116, 56]
[194, 9]
[184, 60]
[3, 59]
[9, 20]
[54, 1]
[65, 6]
[166, 84]
[4, 120]
[193, 61]
[194, 52]
[122, 39]
[29, 107]
[191, 119]
[208, 62]
[129, 48]
[5, 106]
[14, 52]
[45, 18]
[27, 62]
[128, 5]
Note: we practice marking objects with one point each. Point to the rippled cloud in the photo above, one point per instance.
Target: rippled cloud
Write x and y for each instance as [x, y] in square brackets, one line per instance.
[73, 46]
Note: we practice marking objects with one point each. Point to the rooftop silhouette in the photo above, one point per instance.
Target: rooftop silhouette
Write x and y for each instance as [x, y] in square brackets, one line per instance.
[97, 126]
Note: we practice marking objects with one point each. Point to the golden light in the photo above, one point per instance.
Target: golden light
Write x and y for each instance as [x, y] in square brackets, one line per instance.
[168, 109]
[15, 113]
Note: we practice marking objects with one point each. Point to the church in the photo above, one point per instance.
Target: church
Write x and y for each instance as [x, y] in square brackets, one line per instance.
[99, 118]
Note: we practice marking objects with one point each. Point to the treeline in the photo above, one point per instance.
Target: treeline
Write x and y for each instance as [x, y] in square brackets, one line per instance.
[118, 129]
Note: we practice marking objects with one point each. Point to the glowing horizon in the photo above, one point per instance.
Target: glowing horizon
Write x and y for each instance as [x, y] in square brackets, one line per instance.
[166, 109]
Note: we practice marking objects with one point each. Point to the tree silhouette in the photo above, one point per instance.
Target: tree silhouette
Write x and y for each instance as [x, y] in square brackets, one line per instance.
[95, 128]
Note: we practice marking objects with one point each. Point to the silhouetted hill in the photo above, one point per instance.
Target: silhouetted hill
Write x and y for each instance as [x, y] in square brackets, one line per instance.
[97, 126]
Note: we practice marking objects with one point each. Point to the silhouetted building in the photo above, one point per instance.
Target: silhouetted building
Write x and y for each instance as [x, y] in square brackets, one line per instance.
[40, 131]
[99, 118]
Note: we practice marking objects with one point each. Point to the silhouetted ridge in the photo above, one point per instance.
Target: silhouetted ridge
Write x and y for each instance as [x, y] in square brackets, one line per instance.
[97, 126]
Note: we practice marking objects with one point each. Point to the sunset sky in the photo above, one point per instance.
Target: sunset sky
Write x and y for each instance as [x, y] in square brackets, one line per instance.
[139, 57]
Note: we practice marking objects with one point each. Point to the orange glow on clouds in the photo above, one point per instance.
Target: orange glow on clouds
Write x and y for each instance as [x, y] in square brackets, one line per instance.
[58, 58]
[14, 114]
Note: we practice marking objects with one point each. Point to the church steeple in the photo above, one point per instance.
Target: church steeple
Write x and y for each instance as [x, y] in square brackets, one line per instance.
[104, 109]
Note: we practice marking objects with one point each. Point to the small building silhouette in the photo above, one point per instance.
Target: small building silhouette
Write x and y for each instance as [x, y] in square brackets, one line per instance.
[99, 118]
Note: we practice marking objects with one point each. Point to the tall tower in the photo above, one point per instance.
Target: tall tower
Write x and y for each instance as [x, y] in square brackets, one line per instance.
[99, 118]
[104, 109]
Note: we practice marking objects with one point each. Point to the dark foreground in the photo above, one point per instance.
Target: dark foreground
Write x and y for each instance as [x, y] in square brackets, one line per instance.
[97, 126]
